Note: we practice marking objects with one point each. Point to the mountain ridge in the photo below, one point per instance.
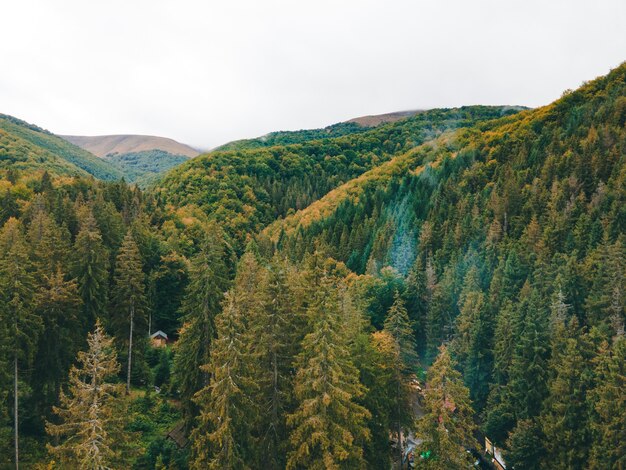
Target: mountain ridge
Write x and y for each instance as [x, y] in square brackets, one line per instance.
[103, 145]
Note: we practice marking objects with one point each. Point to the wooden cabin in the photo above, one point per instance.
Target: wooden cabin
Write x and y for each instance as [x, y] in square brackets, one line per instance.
[495, 454]
[158, 339]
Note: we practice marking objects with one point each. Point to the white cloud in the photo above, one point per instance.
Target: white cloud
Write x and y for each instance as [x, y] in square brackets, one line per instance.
[205, 72]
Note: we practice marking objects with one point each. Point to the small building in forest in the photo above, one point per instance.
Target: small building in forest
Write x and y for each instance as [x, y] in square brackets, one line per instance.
[495, 454]
[158, 339]
[177, 435]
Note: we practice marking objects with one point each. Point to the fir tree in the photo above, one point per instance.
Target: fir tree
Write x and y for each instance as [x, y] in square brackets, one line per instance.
[447, 425]
[328, 427]
[397, 325]
[608, 418]
[564, 418]
[90, 268]
[20, 323]
[209, 280]
[58, 305]
[128, 315]
[89, 423]
[222, 438]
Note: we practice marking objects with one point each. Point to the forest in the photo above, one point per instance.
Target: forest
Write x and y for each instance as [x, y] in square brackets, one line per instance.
[350, 298]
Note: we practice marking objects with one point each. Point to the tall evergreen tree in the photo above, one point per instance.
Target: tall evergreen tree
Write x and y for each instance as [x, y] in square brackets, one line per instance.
[447, 425]
[58, 305]
[398, 326]
[608, 418]
[328, 427]
[222, 438]
[209, 279]
[129, 309]
[275, 331]
[564, 420]
[20, 323]
[90, 268]
[89, 421]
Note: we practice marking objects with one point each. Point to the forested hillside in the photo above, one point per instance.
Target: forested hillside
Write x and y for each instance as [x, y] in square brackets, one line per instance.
[348, 302]
[145, 167]
[248, 189]
[21, 136]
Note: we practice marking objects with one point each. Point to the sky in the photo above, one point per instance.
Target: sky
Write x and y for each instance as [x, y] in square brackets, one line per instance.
[207, 72]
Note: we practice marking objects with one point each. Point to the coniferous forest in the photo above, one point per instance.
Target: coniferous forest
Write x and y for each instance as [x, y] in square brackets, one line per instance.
[342, 298]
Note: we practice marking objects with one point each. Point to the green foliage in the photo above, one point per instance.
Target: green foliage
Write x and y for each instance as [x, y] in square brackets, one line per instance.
[28, 147]
[248, 189]
[144, 167]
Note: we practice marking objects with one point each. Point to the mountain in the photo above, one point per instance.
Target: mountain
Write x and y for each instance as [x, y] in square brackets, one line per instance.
[104, 145]
[503, 170]
[453, 273]
[353, 126]
[31, 147]
[141, 158]
[248, 188]
[378, 119]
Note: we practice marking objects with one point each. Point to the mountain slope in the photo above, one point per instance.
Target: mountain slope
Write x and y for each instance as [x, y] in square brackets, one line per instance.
[581, 136]
[121, 144]
[51, 144]
[144, 167]
[248, 189]
[352, 126]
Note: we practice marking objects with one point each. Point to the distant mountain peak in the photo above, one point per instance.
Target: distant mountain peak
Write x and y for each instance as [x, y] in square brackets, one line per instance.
[104, 145]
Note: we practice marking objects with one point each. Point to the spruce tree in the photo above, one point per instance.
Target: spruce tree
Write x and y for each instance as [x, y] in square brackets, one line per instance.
[222, 438]
[608, 417]
[90, 262]
[128, 312]
[20, 323]
[209, 279]
[328, 427]
[88, 422]
[58, 305]
[564, 419]
[447, 425]
[275, 331]
[398, 326]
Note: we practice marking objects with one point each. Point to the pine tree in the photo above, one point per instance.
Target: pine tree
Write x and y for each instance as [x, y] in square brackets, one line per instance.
[447, 425]
[209, 279]
[20, 323]
[89, 424]
[222, 438]
[128, 313]
[328, 427]
[90, 262]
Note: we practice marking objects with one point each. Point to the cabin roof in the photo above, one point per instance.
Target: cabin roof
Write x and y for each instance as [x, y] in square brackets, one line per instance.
[158, 333]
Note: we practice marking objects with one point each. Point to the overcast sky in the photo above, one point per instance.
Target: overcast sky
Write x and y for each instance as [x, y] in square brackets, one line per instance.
[206, 72]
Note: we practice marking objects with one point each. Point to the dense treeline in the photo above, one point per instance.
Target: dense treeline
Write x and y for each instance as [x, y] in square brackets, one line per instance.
[511, 238]
[144, 167]
[248, 189]
[75, 252]
[469, 271]
[295, 137]
[29, 147]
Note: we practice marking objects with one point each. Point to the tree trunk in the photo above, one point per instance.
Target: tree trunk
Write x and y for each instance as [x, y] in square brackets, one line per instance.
[400, 453]
[130, 348]
[16, 405]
